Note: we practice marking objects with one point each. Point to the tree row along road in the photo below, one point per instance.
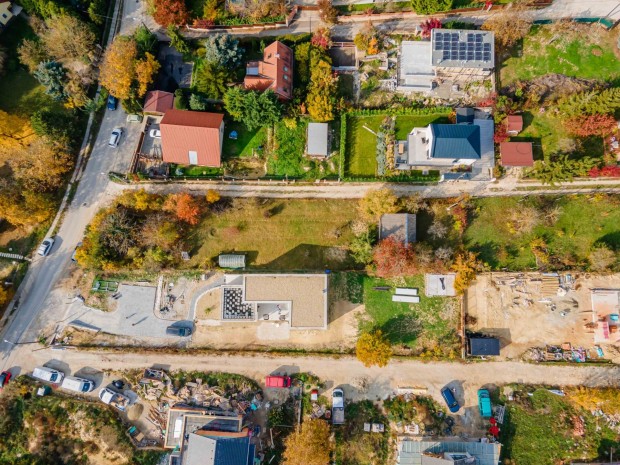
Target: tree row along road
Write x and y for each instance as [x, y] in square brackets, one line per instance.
[336, 371]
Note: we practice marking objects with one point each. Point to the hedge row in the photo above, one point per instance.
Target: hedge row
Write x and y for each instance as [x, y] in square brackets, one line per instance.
[343, 143]
[400, 111]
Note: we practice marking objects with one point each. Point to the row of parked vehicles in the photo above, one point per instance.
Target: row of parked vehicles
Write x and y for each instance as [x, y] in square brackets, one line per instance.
[108, 395]
[484, 402]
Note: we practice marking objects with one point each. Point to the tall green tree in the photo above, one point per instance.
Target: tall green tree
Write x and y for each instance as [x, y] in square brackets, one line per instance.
[51, 74]
[254, 109]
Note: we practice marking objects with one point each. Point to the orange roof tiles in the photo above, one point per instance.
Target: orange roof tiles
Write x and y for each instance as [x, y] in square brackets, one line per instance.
[189, 134]
[158, 101]
[516, 154]
[275, 71]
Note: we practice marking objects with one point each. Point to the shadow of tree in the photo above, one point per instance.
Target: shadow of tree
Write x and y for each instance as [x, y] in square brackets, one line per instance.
[402, 329]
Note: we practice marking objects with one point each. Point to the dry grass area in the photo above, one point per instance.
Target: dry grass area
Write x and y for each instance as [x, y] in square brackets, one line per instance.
[279, 234]
[508, 306]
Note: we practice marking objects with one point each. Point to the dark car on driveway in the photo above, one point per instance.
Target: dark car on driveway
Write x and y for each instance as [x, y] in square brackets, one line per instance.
[112, 102]
[5, 376]
[181, 331]
[451, 402]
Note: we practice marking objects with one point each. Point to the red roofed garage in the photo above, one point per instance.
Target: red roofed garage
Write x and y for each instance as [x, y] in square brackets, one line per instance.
[192, 137]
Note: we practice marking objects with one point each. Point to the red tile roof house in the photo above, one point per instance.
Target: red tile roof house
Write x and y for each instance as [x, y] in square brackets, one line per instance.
[158, 102]
[274, 71]
[514, 124]
[516, 154]
[192, 137]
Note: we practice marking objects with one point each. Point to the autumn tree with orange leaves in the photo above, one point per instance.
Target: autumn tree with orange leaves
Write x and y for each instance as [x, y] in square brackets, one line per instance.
[145, 72]
[184, 207]
[171, 12]
[393, 258]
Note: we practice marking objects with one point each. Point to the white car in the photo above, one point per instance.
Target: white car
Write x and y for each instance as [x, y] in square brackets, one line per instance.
[115, 138]
[155, 133]
[46, 247]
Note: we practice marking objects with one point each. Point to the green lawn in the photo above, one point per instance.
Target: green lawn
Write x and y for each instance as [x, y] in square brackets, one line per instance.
[246, 142]
[432, 322]
[193, 170]
[538, 430]
[548, 136]
[279, 234]
[361, 143]
[580, 223]
[587, 53]
[19, 92]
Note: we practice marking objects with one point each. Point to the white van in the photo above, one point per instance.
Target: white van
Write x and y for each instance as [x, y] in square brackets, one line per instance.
[48, 374]
[77, 384]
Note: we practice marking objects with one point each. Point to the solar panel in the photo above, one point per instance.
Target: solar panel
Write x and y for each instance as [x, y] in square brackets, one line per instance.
[462, 55]
[478, 38]
[462, 45]
[470, 37]
[446, 54]
[487, 56]
[438, 36]
[438, 45]
[478, 47]
[454, 55]
[487, 47]
[470, 55]
[455, 36]
[478, 56]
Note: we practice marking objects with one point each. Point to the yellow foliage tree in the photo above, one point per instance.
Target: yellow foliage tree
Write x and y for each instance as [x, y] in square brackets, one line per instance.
[309, 445]
[118, 69]
[23, 208]
[41, 166]
[212, 196]
[5, 296]
[373, 349]
[373, 46]
[15, 132]
[465, 266]
[145, 72]
[378, 202]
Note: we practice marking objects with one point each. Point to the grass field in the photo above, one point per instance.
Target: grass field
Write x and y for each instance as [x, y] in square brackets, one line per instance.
[361, 143]
[423, 326]
[279, 234]
[246, 143]
[570, 236]
[548, 136]
[587, 52]
[539, 431]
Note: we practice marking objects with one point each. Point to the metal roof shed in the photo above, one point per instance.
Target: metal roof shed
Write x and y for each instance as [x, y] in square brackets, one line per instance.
[234, 261]
[482, 346]
[318, 140]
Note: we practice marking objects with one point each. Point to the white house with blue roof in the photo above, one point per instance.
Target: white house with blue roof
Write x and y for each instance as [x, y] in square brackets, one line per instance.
[468, 143]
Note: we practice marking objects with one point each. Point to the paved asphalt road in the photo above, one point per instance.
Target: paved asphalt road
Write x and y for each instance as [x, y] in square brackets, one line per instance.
[44, 272]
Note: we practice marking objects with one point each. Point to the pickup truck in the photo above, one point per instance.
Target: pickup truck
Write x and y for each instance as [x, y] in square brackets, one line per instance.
[115, 399]
[338, 406]
[484, 403]
[278, 381]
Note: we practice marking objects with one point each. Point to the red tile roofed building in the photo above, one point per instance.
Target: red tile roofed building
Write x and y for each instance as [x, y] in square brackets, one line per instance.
[514, 124]
[274, 71]
[516, 154]
[192, 137]
[158, 102]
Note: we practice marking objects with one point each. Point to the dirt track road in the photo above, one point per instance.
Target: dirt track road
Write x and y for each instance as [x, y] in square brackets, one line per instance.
[343, 371]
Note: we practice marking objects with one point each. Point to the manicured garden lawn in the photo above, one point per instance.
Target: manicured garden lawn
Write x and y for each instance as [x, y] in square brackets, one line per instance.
[582, 222]
[361, 143]
[588, 54]
[417, 326]
[538, 430]
[279, 234]
[193, 170]
[246, 142]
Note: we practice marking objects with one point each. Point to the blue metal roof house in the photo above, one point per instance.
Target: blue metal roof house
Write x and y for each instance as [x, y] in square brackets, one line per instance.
[447, 452]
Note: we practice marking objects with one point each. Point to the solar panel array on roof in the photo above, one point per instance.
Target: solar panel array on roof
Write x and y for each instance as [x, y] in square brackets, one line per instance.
[453, 48]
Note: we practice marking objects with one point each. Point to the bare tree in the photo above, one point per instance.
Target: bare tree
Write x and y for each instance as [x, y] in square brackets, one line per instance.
[510, 24]
[438, 230]
[444, 253]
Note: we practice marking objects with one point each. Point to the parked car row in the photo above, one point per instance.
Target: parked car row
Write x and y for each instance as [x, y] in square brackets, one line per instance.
[70, 383]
